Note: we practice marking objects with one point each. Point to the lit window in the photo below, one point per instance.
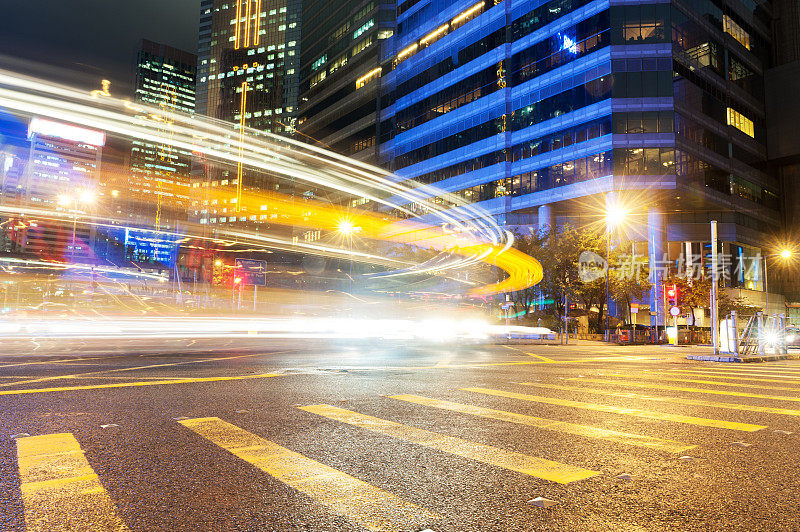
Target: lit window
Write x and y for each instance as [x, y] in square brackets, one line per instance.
[741, 122]
[736, 31]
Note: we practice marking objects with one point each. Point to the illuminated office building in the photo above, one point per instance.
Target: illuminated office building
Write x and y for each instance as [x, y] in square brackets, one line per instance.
[537, 111]
[158, 189]
[340, 73]
[61, 175]
[247, 74]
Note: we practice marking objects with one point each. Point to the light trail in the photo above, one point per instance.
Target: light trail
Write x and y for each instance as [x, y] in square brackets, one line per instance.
[466, 234]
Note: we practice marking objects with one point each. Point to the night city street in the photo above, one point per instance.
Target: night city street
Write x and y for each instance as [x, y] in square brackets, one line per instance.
[392, 437]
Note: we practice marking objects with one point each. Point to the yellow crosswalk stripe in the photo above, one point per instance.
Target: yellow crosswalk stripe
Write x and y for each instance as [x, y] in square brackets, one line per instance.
[60, 490]
[635, 412]
[139, 383]
[759, 368]
[791, 377]
[737, 377]
[549, 424]
[660, 377]
[672, 400]
[521, 463]
[540, 357]
[690, 390]
[347, 496]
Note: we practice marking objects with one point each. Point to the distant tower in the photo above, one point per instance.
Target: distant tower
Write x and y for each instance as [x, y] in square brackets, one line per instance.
[159, 177]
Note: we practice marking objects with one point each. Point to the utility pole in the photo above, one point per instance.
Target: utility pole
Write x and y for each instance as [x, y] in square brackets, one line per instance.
[714, 282]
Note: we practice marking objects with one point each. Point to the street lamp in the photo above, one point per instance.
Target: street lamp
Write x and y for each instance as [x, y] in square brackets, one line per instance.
[784, 254]
[82, 196]
[347, 229]
[615, 215]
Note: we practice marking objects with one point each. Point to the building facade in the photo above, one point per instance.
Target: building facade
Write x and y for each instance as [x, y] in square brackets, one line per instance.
[158, 189]
[542, 112]
[340, 73]
[247, 74]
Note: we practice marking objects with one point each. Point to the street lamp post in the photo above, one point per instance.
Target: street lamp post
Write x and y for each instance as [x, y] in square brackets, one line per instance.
[615, 215]
[785, 254]
[347, 229]
[82, 196]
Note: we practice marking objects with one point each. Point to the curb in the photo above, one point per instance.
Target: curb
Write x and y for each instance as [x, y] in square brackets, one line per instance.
[769, 358]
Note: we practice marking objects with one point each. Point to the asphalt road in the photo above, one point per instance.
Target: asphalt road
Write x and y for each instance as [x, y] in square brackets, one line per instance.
[392, 437]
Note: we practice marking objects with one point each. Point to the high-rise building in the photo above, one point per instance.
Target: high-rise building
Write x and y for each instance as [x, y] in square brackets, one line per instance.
[543, 113]
[247, 74]
[248, 71]
[61, 175]
[158, 189]
[340, 73]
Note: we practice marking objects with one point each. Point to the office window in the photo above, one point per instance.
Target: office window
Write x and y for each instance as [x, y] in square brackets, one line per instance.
[741, 122]
[736, 31]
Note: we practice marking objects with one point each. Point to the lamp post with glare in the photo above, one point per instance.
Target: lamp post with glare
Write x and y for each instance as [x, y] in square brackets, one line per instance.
[784, 254]
[347, 229]
[615, 215]
[82, 196]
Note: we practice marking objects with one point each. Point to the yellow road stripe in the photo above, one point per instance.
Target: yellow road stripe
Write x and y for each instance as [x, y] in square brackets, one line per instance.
[645, 414]
[540, 357]
[671, 400]
[691, 390]
[736, 377]
[521, 463]
[139, 383]
[549, 424]
[742, 373]
[60, 490]
[658, 377]
[105, 371]
[362, 503]
[759, 368]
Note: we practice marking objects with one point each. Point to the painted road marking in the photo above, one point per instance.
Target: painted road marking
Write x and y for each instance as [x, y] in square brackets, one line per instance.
[635, 412]
[140, 383]
[674, 400]
[521, 463]
[738, 376]
[742, 372]
[549, 424]
[540, 357]
[760, 369]
[60, 490]
[105, 371]
[691, 390]
[362, 503]
[658, 377]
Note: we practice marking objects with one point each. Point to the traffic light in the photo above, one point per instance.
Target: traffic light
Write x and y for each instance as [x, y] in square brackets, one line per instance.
[673, 295]
[218, 273]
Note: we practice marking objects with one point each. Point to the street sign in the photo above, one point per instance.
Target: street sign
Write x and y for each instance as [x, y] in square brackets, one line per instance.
[634, 308]
[251, 272]
[674, 311]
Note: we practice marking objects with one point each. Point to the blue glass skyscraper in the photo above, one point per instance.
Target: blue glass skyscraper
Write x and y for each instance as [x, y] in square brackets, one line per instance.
[543, 111]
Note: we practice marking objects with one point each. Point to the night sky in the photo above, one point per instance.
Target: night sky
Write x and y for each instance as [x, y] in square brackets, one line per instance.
[82, 41]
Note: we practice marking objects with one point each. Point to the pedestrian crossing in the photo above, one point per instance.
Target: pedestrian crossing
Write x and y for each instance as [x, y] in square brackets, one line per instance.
[60, 489]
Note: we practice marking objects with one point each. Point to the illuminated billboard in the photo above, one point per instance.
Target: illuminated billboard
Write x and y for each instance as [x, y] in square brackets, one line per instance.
[48, 128]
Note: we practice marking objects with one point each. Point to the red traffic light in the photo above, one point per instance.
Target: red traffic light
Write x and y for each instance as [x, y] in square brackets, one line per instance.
[672, 291]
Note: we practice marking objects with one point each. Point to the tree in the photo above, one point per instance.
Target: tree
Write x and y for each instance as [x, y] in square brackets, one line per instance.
[629, 278]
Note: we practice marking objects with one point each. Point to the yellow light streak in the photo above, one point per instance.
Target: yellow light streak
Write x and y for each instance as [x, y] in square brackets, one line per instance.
[257, 28]
[434, 34]
[248, 14]
[467, 13]
[237, 35]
